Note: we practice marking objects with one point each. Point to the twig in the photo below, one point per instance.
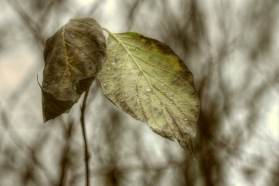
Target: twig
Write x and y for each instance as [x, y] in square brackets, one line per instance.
[29, 22]
[19, 142]
[86, 155]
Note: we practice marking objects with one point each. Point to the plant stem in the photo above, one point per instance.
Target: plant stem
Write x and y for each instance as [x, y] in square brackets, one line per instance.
[107, 31]
[86, 154]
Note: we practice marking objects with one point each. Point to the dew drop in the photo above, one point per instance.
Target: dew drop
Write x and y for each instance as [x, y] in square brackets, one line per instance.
[105, 84]
[113, 63]
[185, 119]
[125, 94]
[147, 89]
[171, 102]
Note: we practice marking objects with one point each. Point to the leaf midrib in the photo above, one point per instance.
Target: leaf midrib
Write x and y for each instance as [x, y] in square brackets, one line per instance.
[143, 71]
[130, 54]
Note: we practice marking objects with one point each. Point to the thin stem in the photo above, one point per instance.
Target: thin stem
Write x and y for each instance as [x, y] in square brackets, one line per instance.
[86, 154]
[107, 31]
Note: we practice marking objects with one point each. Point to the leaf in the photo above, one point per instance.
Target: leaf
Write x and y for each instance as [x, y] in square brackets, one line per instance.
[149, 82]
[73, 57]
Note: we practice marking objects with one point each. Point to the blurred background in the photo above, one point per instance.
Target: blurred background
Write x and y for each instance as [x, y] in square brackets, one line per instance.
[231, 47]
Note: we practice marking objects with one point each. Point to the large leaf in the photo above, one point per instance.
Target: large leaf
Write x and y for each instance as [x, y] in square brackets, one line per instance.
[73, 57]
[148, 81]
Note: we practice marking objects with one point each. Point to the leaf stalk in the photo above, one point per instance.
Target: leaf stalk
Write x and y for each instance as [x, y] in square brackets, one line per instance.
[86, 153]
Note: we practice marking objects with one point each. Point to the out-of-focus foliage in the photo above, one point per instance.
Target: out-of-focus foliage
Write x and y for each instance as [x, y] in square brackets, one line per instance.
[229, 46]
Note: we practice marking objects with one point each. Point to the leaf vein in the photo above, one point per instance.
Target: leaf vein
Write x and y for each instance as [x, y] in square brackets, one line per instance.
[170, 89]
[80, 50]
[81, 34]
[67, 61]
[162, 69]
[147, 51]
[84, 23]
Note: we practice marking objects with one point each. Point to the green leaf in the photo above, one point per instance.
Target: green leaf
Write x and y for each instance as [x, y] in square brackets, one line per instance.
[73, 57]
[149, 82]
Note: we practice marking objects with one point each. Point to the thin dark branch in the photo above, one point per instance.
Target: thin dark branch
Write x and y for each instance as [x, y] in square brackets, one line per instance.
[21, 145]
[65, 158]
[124, 169]
[30, 24]
[86, 155]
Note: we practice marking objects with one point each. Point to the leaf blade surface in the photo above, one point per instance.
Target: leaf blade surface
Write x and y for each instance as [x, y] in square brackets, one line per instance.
[73, 58]
[148, 81]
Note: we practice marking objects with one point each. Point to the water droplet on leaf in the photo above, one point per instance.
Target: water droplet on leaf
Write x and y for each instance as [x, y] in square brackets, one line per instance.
[147, 89]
